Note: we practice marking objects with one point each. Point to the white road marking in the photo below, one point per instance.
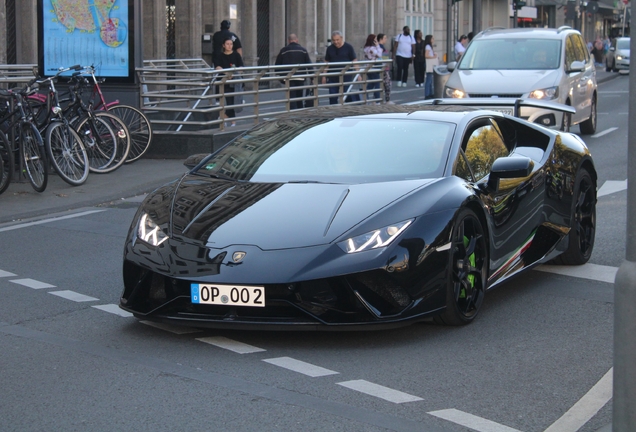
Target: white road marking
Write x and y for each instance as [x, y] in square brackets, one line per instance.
[43, 221]
[471, 421]
[73, 296]
[590, 271]
[171, 328]
[379, 391]
[114, 309]
[586, 407]
[31, 283]
[300, 367]
[612, 186]
[6, 274]
[605, 132]
[229, 344]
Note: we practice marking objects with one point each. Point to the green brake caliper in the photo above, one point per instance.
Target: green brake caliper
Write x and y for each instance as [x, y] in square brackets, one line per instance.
[470, 277]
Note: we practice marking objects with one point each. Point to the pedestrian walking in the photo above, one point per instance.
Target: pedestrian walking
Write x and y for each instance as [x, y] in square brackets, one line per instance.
[340, 51]
[373, 51]
[386, 76]
[218, 39]
[226, 60]
[431, 61]
[403, 51]
[293, 54]
[419, 61]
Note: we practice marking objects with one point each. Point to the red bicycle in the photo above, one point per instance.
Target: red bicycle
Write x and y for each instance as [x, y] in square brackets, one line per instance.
[137, 123]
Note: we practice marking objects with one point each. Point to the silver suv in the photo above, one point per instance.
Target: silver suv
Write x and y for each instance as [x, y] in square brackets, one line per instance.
[540, 63]
[617, 57]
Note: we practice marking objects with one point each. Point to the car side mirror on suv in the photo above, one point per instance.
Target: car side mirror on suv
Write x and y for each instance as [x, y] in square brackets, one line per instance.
[576, 66]
[451, 66]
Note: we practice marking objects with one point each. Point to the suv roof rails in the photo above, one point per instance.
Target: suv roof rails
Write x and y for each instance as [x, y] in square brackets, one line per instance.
[560, 29]
[492, 28]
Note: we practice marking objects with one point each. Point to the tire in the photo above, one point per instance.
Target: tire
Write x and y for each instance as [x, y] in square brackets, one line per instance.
[614, 66]
[582, 223]
[67, 154]
[468, 274]
[607, 67]
[138, 127]
[33, 157]
[106, 140]
[7, 162]
[588, 127]
[566, 121]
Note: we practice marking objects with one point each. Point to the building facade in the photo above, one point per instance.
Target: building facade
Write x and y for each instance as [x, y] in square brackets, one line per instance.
[178, 28]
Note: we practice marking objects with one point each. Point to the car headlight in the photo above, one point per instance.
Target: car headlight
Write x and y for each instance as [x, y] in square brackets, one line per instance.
[374, 239]
[149, 232]
[619, 57]
[545, 94]
[454, 93]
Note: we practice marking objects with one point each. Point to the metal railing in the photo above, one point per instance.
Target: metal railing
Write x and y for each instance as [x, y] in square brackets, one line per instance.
[13, 74]
[187, 94]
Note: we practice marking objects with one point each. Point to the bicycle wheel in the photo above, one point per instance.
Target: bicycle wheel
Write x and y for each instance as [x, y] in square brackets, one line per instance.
[32, 155]
[122, 134]
[6, 161]
[67, 153]
[138, 127]
[99, 141]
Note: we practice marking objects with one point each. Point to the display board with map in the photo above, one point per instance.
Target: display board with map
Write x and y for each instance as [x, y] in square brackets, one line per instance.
[86, 32]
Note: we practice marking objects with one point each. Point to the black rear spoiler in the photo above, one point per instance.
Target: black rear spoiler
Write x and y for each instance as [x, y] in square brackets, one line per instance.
[484, 103]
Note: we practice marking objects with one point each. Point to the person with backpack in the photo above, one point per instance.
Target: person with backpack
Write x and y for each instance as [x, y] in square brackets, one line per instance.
[404, 53]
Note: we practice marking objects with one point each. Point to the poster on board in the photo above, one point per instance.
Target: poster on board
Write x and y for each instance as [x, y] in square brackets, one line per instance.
[87, 32]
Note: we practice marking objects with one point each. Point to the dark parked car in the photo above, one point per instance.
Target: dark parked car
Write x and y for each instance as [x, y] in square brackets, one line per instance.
[350, 217]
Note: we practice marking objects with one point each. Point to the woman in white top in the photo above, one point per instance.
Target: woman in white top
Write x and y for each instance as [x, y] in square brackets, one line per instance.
[373, 51]
[431, 60]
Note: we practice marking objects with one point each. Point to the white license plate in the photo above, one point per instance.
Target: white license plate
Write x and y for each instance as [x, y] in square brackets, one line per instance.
[508, 111]
[228, 295]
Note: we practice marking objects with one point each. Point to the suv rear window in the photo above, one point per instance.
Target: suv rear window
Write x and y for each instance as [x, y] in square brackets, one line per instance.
[512, 54]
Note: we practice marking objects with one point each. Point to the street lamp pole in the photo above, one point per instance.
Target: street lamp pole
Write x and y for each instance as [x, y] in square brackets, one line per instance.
[624, 387]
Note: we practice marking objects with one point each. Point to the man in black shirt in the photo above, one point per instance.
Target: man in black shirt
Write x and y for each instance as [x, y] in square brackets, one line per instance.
[340, 51]
[294, 54]
[222, 35]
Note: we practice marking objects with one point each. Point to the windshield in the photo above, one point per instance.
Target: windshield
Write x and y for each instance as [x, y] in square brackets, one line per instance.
[522, 54]
[622, 44]
[335, 151]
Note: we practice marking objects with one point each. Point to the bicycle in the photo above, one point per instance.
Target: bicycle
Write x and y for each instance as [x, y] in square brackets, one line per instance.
[17, 120]
[6, 162]
[104, 134]
[64, 146]
[137, 123]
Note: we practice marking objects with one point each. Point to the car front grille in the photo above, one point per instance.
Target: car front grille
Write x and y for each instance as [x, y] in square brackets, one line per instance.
[500, 95]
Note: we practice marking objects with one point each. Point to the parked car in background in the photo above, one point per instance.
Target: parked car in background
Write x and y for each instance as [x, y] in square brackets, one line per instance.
[536, 63]
[617, 57]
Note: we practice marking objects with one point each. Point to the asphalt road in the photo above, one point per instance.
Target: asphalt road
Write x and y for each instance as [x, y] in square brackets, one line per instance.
[538, 358]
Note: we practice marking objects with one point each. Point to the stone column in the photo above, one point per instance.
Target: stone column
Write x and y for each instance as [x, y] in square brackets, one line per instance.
[189, 29]
[3, 33]
[303, 22]
[154, 31]
[248, 17]
[27, 31]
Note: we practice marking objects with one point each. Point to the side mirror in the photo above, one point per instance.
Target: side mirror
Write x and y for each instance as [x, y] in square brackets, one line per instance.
[577, 66]
[509, 167]
[451, 66]
[195, 160]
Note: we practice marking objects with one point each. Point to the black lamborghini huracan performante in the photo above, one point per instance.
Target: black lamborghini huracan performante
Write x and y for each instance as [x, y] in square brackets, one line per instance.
[351, 217]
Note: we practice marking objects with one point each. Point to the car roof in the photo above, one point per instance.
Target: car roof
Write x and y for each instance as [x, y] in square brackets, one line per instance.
[448, 113]
[538, 33]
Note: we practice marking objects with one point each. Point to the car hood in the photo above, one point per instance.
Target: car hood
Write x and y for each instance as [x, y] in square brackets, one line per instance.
[502, 81]
[623, 52]
[221, 213]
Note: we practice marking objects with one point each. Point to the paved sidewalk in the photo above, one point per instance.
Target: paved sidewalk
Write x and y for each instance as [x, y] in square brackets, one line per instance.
[20, 201]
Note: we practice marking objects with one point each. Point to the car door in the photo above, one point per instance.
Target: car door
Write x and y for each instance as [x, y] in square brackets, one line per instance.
[581, 83]
[514, 205]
